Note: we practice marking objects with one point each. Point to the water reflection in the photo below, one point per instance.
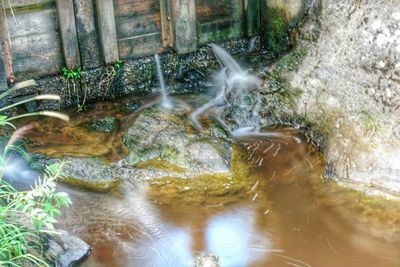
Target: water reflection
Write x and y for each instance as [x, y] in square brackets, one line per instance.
[234, 238]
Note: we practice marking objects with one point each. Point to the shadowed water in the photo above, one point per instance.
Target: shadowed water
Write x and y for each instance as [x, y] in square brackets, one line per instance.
[288, 216]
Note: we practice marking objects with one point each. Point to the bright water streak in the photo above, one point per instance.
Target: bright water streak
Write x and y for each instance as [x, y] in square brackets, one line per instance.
[165, 102]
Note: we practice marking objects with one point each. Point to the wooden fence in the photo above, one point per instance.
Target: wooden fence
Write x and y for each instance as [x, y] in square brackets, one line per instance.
[46, 35]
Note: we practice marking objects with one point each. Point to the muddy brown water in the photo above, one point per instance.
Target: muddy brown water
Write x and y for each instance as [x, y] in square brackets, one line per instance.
[289, 216]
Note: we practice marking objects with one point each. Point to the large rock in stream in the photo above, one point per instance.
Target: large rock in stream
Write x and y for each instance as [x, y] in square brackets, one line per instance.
[162, 144]
[343, 82]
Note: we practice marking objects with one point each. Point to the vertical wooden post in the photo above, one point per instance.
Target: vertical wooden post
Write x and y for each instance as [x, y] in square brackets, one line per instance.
[69, 38]
[108, 32]
[3, 76]
[184, 26]
[165, 23]
[87, 35]
[6, 45]
[252, 17]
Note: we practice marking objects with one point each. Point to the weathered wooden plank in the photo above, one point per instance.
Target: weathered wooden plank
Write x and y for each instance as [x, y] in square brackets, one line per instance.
[6, 45]
[252, 13]
[108, 33]
[184, 26]
[3, 77]
[138, 25]
[219, 20]
[219, 30]
[207, 10]
[32, 45]
[87, 34]
[24, 3]
[136, 7]
[69, 38]
[35, 22]
[34, 67]
[148, 44]
[166, 24]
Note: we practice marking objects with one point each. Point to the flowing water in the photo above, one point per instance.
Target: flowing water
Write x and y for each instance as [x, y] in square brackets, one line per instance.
[165, 101]
[288, 216]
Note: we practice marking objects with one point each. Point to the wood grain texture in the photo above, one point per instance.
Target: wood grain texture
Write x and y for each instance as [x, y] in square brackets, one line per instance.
[36, 43]
[25, 3]
[184, 26]
[69, 37]
[107, 29]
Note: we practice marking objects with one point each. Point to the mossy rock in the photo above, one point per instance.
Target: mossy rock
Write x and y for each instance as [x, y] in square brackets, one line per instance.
[88, 173]
[160, 139]
[104, 125]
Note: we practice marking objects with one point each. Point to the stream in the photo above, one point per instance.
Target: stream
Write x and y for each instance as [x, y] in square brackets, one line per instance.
[287, 216]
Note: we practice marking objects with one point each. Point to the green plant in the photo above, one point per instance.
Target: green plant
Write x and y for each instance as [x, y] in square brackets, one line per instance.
[73, 77]
[276, 30]
[109, 76]
[26, 215]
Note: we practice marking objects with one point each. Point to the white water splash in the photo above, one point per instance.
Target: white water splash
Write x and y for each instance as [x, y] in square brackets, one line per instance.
[166, 102]
[234, 85]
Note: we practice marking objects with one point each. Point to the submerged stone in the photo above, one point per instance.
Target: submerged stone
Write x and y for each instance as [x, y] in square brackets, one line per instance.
[90, 173]
[104, 125]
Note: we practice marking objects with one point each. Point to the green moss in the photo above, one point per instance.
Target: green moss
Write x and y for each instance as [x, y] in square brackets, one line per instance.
[292, 60]
[170, 153]
[276, 30]
[159, 164]
[97, 186]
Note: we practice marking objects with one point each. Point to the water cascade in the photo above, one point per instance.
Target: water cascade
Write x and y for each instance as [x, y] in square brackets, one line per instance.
[238, 101]
[165, 101]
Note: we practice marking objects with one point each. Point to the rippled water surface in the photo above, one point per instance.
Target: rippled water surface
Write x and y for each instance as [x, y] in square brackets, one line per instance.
[287, 217]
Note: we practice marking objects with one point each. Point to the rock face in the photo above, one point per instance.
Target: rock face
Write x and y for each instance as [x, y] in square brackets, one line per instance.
[350, 83]
[89, 173]
[66, 250]
[206, 261]
[164, 144]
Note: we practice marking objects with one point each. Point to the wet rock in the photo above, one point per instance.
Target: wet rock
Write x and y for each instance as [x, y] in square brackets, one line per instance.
[104, 125]
[163, 143]
[350, 91]
[90, 173]
[66, 250]
[206, 261]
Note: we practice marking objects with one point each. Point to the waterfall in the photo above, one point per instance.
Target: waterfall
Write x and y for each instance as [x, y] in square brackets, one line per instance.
[235, 86]
[165, 101]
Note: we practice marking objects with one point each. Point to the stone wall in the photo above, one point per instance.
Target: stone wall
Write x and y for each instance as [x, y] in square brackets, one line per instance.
[346, 87]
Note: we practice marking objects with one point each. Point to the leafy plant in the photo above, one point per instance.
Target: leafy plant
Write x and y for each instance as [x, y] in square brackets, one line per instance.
[73, 77]
[26, 215]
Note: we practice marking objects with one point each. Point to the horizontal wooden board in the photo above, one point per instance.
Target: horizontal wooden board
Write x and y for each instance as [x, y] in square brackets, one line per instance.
[140, 46]
[219, 30]
[35, 22]
[25, 3]
[138, 25]
[31, 68]
[136, 7]
[210, 10]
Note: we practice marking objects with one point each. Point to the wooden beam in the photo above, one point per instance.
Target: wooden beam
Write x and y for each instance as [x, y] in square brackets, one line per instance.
[184, 26]
[6, 45]
[69, 38]
[165, 23]
[87, 35]
[3, 77]
[252, 17]
[108, 33]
